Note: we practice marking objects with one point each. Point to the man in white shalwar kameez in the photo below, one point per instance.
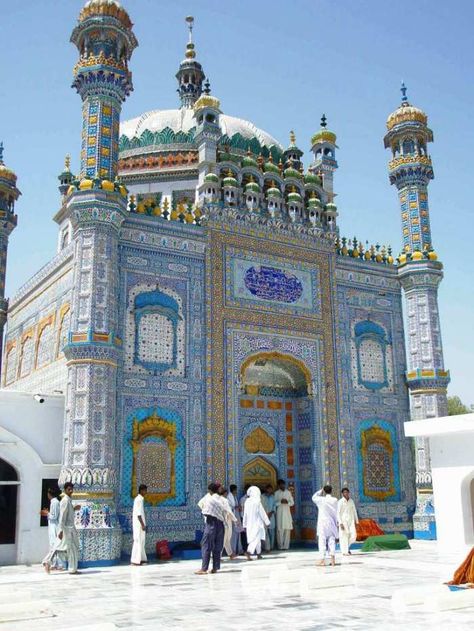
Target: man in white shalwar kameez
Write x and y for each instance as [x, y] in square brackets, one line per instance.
[67, 532]
[327, 523]
[254, 522]
[284, 521]
[347, 519]
[139, 527]
[229, 521]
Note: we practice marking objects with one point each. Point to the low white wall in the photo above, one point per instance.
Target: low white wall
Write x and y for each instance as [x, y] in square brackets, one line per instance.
[30, 441]
[452, 463]
[451, 441]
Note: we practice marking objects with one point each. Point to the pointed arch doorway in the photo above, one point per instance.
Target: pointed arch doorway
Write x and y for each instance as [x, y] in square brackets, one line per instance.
[277, 421]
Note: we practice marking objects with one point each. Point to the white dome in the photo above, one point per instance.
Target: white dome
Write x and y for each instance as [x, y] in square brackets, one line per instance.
[183, 120]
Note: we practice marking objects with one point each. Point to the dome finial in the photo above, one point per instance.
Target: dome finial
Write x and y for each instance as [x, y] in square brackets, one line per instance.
[67, 163]
[292, 138]
[324, 122]
[190, 52]
[403, 90]
[1, 152]
[207, 86]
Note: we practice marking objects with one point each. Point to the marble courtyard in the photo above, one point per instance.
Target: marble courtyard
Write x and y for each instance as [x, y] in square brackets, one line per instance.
[384, 590]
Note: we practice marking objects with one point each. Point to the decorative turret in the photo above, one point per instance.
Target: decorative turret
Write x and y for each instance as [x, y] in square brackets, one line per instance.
[65, 177]
[252, 194]
[190, 74]
[410, 169]
[295, 206]
[293, 154]
[9, 193]
[230, 190]
[102, 79]
[94, 210]
[208, 132]
[323, 145]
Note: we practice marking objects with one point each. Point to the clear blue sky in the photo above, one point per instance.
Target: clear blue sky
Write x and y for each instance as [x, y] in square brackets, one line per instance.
[280, 65]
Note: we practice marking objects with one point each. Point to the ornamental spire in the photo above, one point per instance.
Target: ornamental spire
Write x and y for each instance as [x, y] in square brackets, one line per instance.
[403, 90]
[1, 152]
[190, 74]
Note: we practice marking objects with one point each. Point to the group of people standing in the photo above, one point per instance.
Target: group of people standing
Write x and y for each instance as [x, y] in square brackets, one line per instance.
[257, 516]
[236, 526]
[243, 525]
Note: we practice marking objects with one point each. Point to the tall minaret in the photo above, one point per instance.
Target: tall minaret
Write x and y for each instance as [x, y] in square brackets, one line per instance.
[420, 273]
[8, 196]
[190, 74]
[96, 206]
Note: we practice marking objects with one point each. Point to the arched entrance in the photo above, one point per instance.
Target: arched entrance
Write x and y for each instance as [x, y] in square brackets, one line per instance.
[277, 421]
[260, 472]
[8, 503]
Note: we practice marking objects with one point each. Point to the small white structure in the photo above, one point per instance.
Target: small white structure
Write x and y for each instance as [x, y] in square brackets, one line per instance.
[31, 436]
[452, 464]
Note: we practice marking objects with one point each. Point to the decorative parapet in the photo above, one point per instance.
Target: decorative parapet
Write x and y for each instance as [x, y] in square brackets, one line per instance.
[427, 381]
[241, 216]
[357, 250]
[409, 160]
[152, 206]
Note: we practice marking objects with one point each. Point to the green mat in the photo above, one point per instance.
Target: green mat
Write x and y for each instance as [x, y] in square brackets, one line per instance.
[385, 542]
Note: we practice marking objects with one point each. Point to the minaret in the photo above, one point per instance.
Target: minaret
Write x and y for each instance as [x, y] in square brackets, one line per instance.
[8, 196]
[96, 205]
[207, 112]
[420, 273]
[190, 74]
[323, 146]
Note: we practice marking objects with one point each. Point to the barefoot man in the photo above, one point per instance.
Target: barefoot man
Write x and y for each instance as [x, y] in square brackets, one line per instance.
[327, 523]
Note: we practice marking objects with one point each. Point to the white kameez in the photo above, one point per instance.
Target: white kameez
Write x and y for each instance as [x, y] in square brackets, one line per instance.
[57, 547]
[229, 520]
[255, 520]
[327, 522]
[347, 517]
[139, 535]
[284, 520]
[68, 528]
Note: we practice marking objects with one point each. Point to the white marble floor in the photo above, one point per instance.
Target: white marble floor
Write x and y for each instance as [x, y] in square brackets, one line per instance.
[284, 591]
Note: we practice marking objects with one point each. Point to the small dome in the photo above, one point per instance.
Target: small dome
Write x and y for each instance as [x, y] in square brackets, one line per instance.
[294, 196]
[230, 180]
[406, 113]
[310, 178]
[291, 172]
[331, 207]
[7, 174]
[324, 135]
[417, 256]
[206, 100]
[432, 255]
[111, 8]
[249, 161]
[314, 202]
[271, 167]
[273, 191]
[211, 177]
[252, 187]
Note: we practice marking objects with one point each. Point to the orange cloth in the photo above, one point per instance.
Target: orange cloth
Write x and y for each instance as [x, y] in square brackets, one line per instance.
[367, 528]
[465, 572]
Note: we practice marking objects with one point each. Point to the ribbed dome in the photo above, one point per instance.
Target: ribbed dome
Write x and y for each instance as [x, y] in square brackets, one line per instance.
[105, 7]
[182, 120]
[406, 113]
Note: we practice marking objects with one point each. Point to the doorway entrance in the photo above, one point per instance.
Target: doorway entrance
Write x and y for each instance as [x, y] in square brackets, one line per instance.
[276, 420]
[8, 511]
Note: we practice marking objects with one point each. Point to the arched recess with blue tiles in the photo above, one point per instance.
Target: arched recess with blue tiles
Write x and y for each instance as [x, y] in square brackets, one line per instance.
[378, 461]
[372, 356]
[154, 454]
